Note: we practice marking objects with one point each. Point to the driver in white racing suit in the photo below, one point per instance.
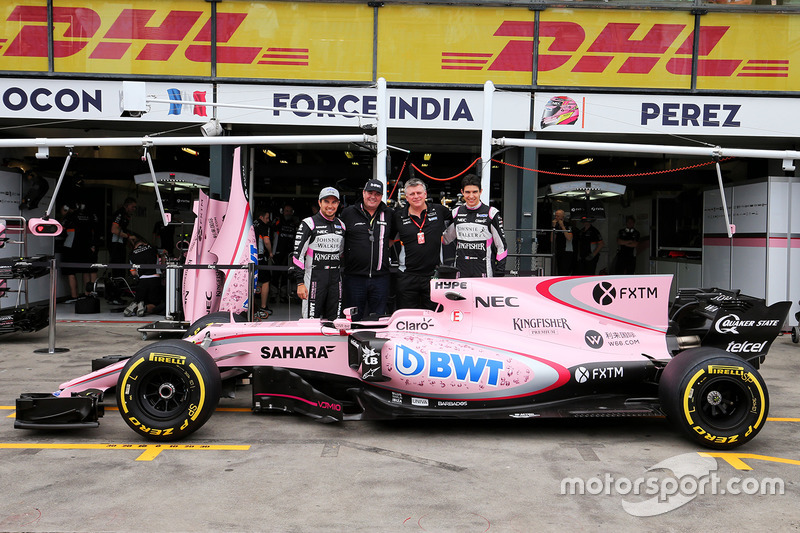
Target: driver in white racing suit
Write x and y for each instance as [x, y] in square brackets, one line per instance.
[477, 229]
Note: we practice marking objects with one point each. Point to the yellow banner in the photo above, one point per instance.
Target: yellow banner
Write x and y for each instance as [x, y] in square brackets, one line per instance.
[304, 41]
[23, 35]
[277, 40]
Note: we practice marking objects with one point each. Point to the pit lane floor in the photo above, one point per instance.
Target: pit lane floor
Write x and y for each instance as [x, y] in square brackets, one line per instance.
[245, 472]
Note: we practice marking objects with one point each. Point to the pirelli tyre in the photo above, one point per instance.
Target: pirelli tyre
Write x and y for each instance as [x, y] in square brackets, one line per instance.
[718, 399]
[220, 317]
[168, 390]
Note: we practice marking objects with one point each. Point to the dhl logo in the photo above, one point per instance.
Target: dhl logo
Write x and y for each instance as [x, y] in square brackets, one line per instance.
[614, 40]
[132, 25]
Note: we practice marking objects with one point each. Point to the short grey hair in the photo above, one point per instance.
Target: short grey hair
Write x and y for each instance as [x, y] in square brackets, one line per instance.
[414, 182]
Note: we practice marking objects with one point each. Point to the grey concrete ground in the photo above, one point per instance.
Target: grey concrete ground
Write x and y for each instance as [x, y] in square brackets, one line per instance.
[245, 472]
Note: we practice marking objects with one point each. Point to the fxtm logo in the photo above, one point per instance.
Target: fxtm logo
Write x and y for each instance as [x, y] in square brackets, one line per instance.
[616, 40]
[443, 365]
[604, 293]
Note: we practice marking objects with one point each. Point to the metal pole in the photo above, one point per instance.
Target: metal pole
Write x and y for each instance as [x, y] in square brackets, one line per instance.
[382, 150]
[486, 141]
[51, 343]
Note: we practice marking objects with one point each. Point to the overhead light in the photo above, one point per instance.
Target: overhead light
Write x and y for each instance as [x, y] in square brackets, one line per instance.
[585, 189]
[212, 128]
[426, 157]
[354, 163]
[424, 165]
[586, 160]
[284, 162]
[269, 153]
[348, 155]
[183, 179]
[190, 151]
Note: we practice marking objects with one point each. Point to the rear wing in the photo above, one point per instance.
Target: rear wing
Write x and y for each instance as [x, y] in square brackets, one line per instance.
[724, 319]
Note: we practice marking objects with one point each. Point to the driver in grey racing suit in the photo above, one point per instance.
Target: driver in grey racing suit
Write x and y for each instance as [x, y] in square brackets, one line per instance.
[477, 228]
[316, 259]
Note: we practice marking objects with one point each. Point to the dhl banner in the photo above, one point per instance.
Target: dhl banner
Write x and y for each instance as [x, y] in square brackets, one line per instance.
[572, 112]
[254, 39]
[326, 41]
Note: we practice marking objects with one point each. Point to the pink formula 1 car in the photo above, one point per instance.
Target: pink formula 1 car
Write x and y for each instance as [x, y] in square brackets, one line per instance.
[508, 347]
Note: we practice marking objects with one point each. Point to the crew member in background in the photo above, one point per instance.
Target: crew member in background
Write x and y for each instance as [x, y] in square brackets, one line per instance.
[80, 246]
[37, 188]
[262, 229]
[149, 292]
[477, 228]
[283, 231]
[627, 239]
[419, 228]
[316, 259]
[365, 263]
[120, 235]
[561, 245]
[587, 243]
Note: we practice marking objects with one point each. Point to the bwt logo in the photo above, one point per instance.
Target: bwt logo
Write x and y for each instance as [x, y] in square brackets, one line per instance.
[443, 365]
[604, 293]
[566, 43]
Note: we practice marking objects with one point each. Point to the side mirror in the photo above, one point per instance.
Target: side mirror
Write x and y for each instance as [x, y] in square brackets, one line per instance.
[454, 296]
[45, 227]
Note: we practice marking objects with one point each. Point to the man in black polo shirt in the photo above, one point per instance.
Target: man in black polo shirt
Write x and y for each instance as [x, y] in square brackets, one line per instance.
[419, 228]
[365, 262]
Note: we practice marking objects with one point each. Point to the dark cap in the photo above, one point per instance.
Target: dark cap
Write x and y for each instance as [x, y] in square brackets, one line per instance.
[374, 185]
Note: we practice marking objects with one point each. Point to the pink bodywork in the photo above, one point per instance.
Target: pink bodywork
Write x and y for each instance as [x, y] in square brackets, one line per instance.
[495, 338]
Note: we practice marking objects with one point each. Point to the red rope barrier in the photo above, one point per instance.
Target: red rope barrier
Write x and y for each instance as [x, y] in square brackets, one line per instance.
[446, 179]
[398, 179]
[604, 176]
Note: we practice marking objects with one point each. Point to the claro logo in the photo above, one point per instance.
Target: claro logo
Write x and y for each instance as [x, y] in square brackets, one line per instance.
[567, 43]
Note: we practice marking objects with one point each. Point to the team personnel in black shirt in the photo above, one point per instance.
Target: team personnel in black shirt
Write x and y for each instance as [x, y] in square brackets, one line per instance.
[627, 239]
[365, 263]
[149, 292]
[477, 229]
[419, 228]
[316, 258]
[284, 230]
[262, 228]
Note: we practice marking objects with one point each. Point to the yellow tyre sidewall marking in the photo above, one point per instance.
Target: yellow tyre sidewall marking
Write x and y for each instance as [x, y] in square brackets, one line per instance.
[125, 382]
[689, 388]
[761, 409]
[202, 385]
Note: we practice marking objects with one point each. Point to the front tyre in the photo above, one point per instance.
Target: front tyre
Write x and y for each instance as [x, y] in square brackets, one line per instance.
[719, 400]
[168, 390]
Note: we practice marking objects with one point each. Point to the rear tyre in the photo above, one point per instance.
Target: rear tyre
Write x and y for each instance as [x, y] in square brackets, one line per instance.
[717, 399]
[168, 390]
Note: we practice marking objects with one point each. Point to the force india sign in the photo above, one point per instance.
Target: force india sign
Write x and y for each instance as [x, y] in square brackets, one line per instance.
[304, 106]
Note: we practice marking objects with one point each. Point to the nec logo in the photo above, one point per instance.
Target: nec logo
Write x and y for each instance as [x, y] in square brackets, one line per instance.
[496, 301]
[604, 293]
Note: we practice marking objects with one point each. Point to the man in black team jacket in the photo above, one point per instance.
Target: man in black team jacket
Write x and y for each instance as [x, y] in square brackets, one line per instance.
[477, 228]
[316, 257]
[365, 272]
[419, 227]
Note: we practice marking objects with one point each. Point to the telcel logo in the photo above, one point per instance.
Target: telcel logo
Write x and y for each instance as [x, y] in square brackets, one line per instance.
[409, 362]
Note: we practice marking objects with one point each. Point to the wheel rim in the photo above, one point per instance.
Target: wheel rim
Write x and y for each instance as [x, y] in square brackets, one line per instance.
[164, 392]
[723, 403]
